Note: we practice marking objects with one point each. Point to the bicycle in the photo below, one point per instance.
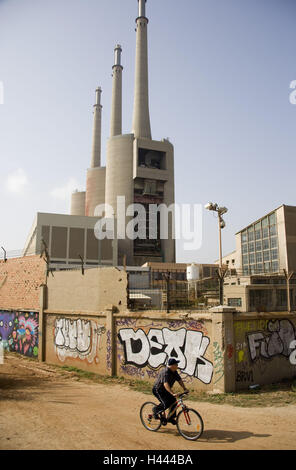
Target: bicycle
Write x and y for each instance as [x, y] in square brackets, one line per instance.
[189, 422]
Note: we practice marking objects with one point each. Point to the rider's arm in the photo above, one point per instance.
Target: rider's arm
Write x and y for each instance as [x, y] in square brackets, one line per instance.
[182, 385]
[168, 388]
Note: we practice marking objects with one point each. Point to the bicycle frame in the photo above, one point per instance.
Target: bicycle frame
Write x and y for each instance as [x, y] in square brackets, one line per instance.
[173, 408]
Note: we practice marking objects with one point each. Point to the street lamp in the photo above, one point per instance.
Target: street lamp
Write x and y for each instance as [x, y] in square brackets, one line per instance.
[221, 223]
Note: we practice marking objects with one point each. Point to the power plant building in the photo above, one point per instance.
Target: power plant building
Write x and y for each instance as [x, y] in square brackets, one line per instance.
[139, 170]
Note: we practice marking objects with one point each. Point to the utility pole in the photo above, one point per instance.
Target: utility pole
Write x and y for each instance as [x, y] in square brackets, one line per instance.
[288, 276]
[221, 272]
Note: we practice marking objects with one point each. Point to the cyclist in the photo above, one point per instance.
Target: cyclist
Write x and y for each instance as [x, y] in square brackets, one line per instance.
[162, 389]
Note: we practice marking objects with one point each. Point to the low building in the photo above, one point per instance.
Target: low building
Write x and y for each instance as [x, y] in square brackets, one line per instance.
[69, 239]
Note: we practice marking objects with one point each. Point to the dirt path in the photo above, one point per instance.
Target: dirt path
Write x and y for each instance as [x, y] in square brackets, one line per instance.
[42, 409]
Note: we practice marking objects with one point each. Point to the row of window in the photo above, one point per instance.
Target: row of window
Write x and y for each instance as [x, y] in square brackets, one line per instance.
[260, 268]
[266, 244]
[263, 229]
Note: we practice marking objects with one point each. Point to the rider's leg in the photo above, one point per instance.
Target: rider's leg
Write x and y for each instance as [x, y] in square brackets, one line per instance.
[161, 407]
[166, 400]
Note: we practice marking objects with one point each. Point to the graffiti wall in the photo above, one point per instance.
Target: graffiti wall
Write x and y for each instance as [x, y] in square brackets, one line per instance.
[265, 350]
[78, 341]
[144, 346]
[19, 332]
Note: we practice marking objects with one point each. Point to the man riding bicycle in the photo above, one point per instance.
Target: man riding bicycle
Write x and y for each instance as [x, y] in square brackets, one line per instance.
[162, 389]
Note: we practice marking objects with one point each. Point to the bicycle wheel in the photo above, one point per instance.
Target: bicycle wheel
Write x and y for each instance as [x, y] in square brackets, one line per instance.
[147, 418]
[190, 424]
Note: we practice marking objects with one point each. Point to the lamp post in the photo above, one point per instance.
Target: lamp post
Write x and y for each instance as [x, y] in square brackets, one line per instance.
[221, 224]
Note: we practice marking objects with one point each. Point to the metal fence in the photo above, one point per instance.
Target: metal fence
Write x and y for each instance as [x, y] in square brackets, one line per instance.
[168, 294]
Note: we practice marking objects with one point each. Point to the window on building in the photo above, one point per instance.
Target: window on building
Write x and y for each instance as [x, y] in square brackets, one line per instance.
[245, 248]
[281, 297]
[275, 266]
[273, 230]
[265, 222]
[251, 247]
[272, 219]
[266, 244]
[260, 298]
[244, 236]
[273, 242]
[259, 267]
[265, 232]
[234, 302]
[251, 234]
[258, 234]
[252, 258]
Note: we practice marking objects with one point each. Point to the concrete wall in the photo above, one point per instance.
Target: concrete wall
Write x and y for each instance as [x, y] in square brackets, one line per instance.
[80, 341]
[83, 321]
[262, 348]
[99, 289]
[143, 345]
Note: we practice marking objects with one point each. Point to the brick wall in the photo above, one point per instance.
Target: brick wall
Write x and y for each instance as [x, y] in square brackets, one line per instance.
[20, 279]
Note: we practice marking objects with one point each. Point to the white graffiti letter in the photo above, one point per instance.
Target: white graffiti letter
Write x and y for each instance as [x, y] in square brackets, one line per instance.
[156, 342]
[257, 340]
[136, 345]
[293, 353]
[197, 365]
[175, 341]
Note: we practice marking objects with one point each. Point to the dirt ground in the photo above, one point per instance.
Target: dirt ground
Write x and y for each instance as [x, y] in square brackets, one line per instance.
[43, 408]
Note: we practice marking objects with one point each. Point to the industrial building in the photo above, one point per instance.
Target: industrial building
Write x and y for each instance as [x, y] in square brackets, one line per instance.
[267, 245]
[138, 168]
[262, 269]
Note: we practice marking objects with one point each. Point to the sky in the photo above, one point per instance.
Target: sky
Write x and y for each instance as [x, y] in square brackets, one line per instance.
[219, 84]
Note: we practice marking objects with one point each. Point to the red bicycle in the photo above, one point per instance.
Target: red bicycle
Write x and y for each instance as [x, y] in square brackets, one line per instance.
[189, 422]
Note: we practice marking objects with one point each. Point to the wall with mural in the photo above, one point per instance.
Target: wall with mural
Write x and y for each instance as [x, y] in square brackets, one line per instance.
[19, 332]
[144, 346]
[79, 341]
[265, 349]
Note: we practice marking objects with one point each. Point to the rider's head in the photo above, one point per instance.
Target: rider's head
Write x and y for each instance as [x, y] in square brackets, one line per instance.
[173, 364]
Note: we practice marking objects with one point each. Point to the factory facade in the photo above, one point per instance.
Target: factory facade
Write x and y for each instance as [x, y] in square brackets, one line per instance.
[139, 170]
[267, 245]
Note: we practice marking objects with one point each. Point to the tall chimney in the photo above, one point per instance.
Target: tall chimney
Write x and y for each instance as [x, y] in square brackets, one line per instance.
[97, 131]
[141, 118]
[116, 108]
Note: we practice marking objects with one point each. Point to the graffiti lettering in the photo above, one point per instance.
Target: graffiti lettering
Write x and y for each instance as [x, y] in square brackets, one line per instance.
[243, 376]
[153, 349]
[293, 353]
[275, 342]
[77, 338]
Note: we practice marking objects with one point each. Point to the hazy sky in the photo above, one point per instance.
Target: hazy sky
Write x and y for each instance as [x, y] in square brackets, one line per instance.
[219, 70]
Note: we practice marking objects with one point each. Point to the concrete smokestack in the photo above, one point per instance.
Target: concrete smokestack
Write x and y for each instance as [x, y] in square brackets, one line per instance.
[116, 108]
[97, 131]
[141, 118]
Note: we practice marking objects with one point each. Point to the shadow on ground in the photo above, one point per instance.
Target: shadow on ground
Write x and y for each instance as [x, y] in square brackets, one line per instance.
[219, 436]
[23, 388]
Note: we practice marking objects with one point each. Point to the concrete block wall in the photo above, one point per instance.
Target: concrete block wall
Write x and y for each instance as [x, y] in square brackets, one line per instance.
[264, 348]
